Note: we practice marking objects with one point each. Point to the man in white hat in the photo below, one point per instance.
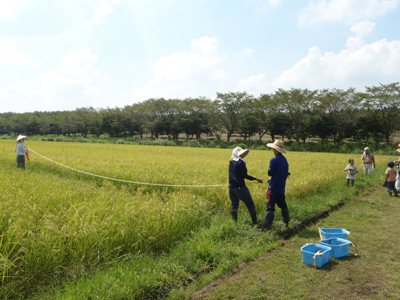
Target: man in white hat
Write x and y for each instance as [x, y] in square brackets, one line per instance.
[368, 161]
[279, 171]
[21, 151]
[237, 187]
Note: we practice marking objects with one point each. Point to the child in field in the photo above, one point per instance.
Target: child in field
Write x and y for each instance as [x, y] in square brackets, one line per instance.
[390, 179]
[351, 172]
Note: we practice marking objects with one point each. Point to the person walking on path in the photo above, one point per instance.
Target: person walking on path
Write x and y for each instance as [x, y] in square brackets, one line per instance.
[21, 152]
[351, 172]
[390, 179]
[279, 171]
[237, 187]
[368, 161]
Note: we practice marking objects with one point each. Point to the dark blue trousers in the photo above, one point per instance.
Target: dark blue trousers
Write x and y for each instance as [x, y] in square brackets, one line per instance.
[278, 199]
[242, 193]
[21, 161]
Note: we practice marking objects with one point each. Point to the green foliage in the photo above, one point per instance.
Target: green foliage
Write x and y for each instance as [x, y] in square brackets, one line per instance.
[296, 114]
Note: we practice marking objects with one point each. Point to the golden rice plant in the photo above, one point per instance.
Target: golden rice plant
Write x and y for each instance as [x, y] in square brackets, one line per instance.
[57, 223]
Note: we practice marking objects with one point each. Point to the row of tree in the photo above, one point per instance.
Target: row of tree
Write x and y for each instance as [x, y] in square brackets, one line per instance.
[297, 114]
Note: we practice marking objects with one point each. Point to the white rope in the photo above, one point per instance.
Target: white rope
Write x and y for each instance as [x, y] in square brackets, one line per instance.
[127, 181]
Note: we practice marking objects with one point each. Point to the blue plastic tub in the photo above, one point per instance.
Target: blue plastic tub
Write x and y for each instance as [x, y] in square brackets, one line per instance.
[340, 247]
[327, 233]
[316, 255]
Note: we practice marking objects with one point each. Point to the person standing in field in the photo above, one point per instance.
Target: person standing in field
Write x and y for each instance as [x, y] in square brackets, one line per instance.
[390, 179]
[21, 152]
[237, 187]
[368, 161]
[351, 172]
[397, 168]
[279, 172]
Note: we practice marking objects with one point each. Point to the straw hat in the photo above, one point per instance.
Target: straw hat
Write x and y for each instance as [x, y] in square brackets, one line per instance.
[20, 137]
[366, 148]
[277, 145]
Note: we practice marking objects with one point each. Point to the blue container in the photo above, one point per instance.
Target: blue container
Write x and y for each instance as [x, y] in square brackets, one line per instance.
[316, 255]
[340, 247]
[327, 233]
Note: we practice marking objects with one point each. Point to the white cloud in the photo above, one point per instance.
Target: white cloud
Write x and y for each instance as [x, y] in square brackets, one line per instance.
[360, 30]
[349, 11]
[11, 56]
[10, 9]
[74, 79]
[255, 84]
[186, 74]
[244, 53]
[274, 2]
[86, 14]
[16, 97]
[354, 66]
[363, 28]
[101, 10]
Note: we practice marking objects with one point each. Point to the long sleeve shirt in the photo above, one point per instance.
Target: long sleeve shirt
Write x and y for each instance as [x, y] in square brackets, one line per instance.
[237, 174]
[20, 149]
[279, 171]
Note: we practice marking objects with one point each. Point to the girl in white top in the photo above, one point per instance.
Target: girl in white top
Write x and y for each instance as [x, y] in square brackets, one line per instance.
[351, 172]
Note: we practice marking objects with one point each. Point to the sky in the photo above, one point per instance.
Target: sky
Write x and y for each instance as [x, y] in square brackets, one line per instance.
[66, 54]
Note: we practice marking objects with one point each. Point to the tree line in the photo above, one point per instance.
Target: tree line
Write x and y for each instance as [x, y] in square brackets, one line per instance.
[296, 114]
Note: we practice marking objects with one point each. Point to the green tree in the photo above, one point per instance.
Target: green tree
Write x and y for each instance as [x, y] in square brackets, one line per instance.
[383, 102]
[230, 106]
[298, 104]
[335, 114]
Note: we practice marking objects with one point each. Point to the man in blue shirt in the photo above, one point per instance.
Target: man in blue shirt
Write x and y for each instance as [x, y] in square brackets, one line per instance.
[279, 171]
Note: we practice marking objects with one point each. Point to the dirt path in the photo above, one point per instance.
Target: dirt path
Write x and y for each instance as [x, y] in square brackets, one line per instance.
[374, 222]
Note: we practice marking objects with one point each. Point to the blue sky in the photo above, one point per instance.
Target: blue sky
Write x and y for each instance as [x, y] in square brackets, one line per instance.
[61, 55]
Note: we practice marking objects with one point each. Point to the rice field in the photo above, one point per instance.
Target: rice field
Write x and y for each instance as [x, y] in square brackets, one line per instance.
[57, 224]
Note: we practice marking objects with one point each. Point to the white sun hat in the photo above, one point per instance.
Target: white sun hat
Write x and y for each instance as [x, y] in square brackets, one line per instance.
[238, 153]
[20, 137]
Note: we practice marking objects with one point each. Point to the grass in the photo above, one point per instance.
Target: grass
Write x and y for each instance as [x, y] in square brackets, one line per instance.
[373, 220]
[203, 257]
[62, 229]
